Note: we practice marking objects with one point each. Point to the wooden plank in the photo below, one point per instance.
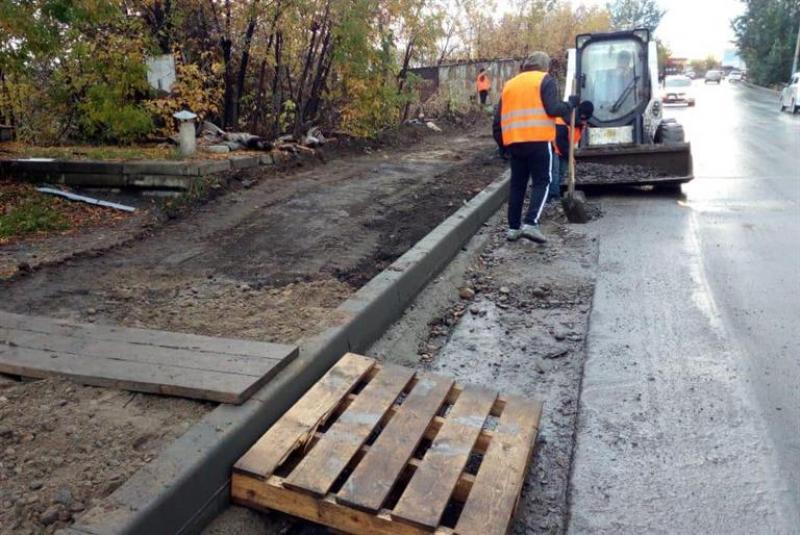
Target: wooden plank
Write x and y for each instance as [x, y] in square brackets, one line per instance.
[493, 498]
[228, 387]
[300, 422]
[166, 339]
[271, 495]
[373, 478]
[122, 351]
[326, 460]
[432, 485]
[463, 485]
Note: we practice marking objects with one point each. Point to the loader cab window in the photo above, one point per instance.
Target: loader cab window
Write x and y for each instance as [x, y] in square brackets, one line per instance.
[614, 77]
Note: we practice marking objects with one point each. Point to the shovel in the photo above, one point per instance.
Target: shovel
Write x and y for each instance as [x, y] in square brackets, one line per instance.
[574, 203]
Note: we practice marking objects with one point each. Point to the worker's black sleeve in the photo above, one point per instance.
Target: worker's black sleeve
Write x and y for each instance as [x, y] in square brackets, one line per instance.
[497, 131]
[553, 105]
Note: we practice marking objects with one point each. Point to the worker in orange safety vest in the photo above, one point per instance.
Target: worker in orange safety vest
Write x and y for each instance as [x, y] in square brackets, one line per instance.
[483, 84]
[561, 146]
[524, 126]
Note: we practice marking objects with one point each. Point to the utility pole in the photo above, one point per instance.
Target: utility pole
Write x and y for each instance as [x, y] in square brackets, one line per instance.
[796, 52]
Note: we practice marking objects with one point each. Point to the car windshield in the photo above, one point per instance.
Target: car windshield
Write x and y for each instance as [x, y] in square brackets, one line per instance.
[614, 77]
[677, 82]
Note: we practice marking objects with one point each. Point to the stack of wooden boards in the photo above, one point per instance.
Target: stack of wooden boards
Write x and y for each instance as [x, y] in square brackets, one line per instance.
[382, 449]
[176, 364]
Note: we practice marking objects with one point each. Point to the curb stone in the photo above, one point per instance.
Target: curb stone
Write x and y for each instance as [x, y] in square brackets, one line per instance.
[187, 485]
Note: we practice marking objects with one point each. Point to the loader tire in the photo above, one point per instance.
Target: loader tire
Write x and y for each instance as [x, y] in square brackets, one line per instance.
[670, 133]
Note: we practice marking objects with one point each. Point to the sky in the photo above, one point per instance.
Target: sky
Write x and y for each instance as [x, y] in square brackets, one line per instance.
[698, 28]
[693, 29]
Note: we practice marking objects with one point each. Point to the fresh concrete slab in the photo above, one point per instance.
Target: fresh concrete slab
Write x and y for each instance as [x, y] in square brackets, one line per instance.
[668, 436]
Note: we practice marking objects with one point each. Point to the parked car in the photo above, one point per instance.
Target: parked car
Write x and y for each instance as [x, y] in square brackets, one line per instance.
[713, 77]
[790, 96]
[677, 90]
[735, 76]
[690, 74]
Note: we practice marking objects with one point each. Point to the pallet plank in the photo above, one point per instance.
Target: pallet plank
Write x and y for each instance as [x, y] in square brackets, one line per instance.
[334, 450]
[138, 376]
[147, 337]
[498, 483]
[300, 422]
[121, 351]
[373, 478]
[271, 495]
[434, 481]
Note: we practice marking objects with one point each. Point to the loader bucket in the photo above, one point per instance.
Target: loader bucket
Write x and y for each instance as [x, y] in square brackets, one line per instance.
[640, 165]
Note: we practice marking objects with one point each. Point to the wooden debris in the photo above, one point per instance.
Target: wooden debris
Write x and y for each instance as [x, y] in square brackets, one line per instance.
[160, 362]
[380, 449]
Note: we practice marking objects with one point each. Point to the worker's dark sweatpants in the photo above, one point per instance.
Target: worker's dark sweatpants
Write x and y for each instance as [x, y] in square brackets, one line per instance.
[529, 161]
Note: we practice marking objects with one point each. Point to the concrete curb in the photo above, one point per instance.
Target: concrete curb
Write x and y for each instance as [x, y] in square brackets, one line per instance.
[188, 484]
[147, 174]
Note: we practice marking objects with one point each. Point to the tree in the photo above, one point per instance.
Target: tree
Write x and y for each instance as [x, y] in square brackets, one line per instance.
[73, 69]
[765, 35]
[630, 14]
[664, 53]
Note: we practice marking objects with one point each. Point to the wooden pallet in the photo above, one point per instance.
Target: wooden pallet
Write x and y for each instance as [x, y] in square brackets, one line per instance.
[376, 448]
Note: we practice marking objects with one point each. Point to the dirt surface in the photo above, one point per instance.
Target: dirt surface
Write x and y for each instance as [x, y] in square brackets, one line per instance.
[522, 332]
[268, 261]
[64, 446]
[55, 228]
[591, 174]
[314, 234]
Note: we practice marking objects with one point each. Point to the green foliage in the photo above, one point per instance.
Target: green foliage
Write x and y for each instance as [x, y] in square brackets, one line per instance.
[664, 53]
[193, 90]
[765, 35]
[287, 116]
[34, 214]
[105, 116]
[77, 72]
[630, 14]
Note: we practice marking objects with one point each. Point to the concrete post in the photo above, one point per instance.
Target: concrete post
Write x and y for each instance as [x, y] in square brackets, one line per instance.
[186, 134]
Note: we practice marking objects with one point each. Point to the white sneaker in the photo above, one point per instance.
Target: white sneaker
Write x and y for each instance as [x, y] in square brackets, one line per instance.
[533, 233]
[513, 234]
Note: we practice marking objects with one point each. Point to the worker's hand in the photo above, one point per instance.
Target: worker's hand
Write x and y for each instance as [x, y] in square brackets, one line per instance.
[585, 110]
[573, 101]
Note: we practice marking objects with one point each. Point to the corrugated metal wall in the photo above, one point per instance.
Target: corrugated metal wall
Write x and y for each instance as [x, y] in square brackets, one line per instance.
[456, 83]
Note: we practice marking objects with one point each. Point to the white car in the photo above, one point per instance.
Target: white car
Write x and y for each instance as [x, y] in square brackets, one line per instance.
[677, 90]
[735, 76]
[790, 96]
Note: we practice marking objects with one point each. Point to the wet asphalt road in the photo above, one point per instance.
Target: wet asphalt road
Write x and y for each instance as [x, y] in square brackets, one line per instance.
[690, 412]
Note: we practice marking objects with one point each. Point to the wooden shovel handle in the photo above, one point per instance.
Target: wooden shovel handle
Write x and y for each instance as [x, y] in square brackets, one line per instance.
[571, 136]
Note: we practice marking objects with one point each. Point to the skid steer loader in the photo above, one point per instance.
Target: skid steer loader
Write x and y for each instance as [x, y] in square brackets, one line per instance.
[627, 142]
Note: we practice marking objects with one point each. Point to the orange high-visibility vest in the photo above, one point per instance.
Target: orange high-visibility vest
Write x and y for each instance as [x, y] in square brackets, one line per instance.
[576, 135]
[483, 83]
[522, 116]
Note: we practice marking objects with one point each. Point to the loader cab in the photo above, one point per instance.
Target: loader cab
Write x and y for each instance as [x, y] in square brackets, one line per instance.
[613, 70]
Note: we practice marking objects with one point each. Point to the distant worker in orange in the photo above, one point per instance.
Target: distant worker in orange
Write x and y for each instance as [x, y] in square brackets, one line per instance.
[483, 85]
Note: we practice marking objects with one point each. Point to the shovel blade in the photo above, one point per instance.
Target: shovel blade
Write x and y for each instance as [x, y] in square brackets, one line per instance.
[575, 207]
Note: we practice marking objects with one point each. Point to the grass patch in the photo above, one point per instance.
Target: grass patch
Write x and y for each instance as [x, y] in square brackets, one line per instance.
[91, 152]
[29, 216]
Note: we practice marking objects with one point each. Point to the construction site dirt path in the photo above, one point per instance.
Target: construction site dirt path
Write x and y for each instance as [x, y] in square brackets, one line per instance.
[269, 261]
